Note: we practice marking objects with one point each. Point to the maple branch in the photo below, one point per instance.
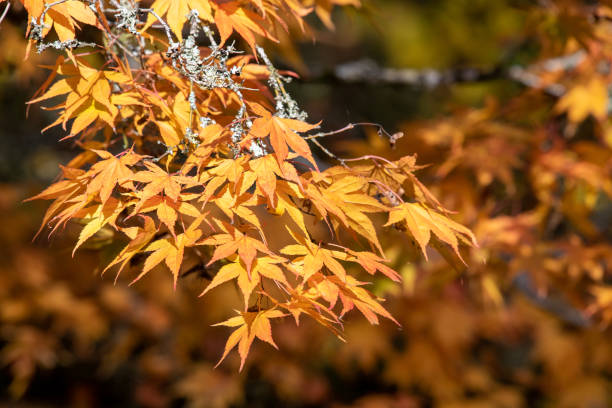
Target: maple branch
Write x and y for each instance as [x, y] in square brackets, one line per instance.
[211, 38]
[381, 132]
[555, 305]
[195, 74]
[331, 133]
[330, 154]
[367, 71]
[5, 12]
[286, 106]
[388, 192]
[162, 22]
[48, 6]
[37, 28]
[124, 48]
[373, 158]
[370, 72]
[62, 45]
[200, 270]
[525, 77]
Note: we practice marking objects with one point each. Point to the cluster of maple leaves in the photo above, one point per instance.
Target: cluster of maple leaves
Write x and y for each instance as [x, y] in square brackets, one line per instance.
[187, 153]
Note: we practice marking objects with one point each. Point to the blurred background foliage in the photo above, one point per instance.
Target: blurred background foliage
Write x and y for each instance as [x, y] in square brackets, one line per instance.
[525, 324]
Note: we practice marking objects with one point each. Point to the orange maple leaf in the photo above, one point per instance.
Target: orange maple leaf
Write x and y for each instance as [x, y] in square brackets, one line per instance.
[234, 241]
[282, 132]
[88, 95]
[176, 12]
[250, 325]
[262, 267]
[422, 221]
[171, 251]
[110, 172]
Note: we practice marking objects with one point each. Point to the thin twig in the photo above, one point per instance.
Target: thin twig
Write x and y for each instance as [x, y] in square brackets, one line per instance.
[162, 22]
[333, 132]
[330, 154]
[381, 130]
[5, 12]
[386, 189]
[47, 8]
[373, 158]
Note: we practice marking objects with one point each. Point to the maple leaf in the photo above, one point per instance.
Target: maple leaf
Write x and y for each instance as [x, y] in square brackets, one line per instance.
[282, 132]
[373, 263]
[167, 210]
[352, 295]
[61, 192]
[312, 257]
[234, 241]
[89, 95]
[265, 266]
[286, 195]
[266, 169]
[110, 172]
[229, 16]
[171, 251]
[323, 9]
[158, 181]
[232, 205]
[97, 217]
[250, 325]
[582, 100]
[298, 10]
[62, 188]
[328, 290]
[345, 194]
[139, 238]
[65, 208]
[176, 12]
[305, 302]
[348, 207]
[221, 172]
[421, 222]
[175, 116]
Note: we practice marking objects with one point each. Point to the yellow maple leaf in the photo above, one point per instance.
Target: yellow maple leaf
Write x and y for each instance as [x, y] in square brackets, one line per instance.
[250, 325]
[586, 99]
[176, 12]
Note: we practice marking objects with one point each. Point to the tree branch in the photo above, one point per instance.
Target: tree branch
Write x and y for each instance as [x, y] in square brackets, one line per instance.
[369, 72]
[5, 12]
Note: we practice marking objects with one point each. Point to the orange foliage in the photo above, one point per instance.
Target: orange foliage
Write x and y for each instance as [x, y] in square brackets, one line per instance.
[232, 153]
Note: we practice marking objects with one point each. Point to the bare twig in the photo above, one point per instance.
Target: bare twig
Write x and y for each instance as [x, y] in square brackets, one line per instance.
[330, 154]
[5, 12]
[48, 7]
[381, 132]
[162, 22]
